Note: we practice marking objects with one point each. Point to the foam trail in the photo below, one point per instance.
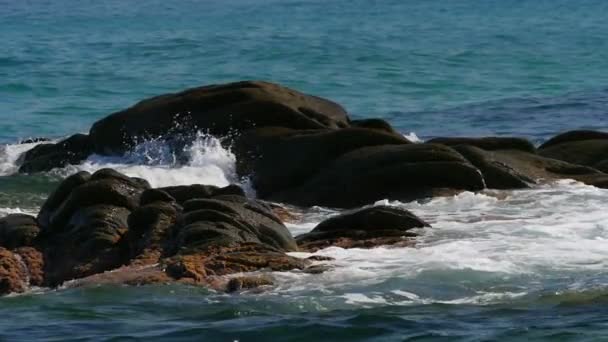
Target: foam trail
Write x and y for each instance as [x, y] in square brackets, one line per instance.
[484, 248]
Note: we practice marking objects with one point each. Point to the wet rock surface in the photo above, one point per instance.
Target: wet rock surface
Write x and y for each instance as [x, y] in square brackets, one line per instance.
[363, 228]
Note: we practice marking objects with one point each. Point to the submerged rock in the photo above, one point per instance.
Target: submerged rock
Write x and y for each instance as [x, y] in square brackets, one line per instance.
[364, 228]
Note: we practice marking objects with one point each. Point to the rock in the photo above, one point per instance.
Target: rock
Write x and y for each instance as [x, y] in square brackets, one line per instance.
[218, 110]
[397, 172]
[377, 124]
[45, 157]
[59, 195]
[19, 269]
[218, 222]
[367, 227]
[150, 231]
[18, 230]
[572, 136]
[592, 153]
[280, 158]
[220, 261]
[13, 273]
[248, 282]
[89, 244]
[496, 174]
[83, 223]
[108, 221]
[183, 193]
[103, 187]
[488, 143]
[542, 169]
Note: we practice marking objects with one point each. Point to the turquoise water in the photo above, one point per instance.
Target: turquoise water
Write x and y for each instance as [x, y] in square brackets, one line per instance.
[522, 265]
[434, 67]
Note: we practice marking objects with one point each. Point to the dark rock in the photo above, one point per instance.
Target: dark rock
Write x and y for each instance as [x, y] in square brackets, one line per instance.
[89, 244]
[150, 231]
[280, 158]
[542, 169]
[398, 172]
[366, 227]
[155, 195]
[59, 195]
[572, 136]
[496, 174]
[488, 143]
[592, 153]
[378, 124]
[18, 230]
[103, 191]
[216, 109]
[183, 193]
[222, 223]
[45, 157]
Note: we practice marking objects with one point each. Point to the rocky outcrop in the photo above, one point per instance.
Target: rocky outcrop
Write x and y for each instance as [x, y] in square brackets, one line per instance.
[363, 228]
[47, 156]
[106, 221]
[396, 172]
[217, 109]
[588, 148]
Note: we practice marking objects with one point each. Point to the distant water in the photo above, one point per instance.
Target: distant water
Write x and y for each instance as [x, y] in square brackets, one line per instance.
[520, 265]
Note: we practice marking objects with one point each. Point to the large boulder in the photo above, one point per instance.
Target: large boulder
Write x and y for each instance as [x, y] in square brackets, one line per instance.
[47, 156]
[280, 158]
[589, 148]
[18, 230]
[397, 172]
[218, 110]
[83, 223]
[367, 227]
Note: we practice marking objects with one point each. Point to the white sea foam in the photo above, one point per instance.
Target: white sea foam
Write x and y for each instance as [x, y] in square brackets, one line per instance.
[205, 161]
[483, 248]
[9, 156]
[411, 136]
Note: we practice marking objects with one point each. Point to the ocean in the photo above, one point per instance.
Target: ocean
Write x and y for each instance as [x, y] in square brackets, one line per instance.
[529, 265]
